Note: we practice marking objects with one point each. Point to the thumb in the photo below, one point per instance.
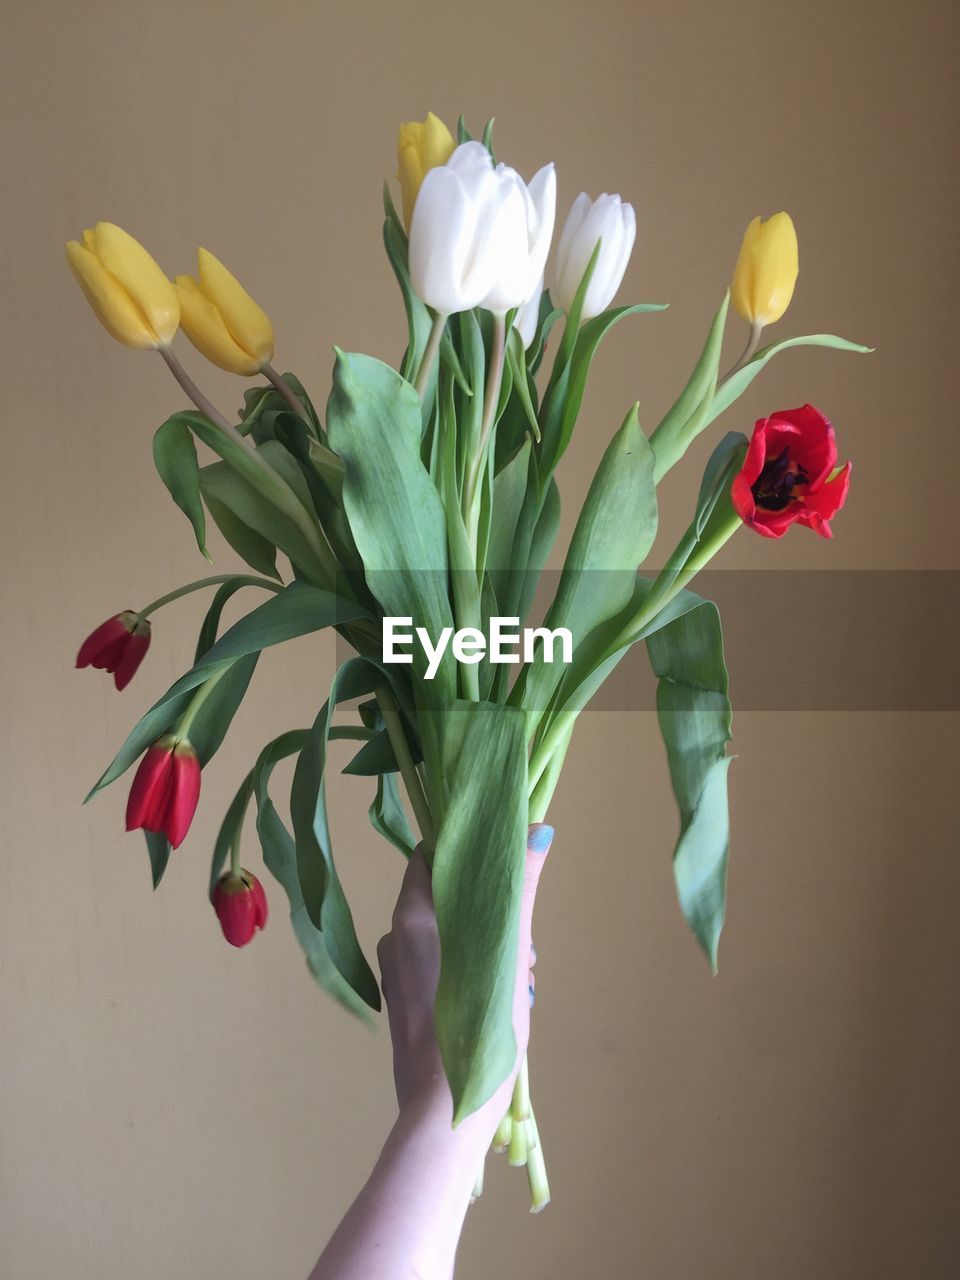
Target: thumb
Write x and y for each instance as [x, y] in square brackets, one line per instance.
[539, 840]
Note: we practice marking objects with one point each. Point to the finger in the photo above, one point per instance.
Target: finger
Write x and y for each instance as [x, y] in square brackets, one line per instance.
[539, 840]
[415, 900]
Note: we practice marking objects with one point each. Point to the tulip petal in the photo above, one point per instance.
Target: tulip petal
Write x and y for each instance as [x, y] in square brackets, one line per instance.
[108, 633]
[204, 326]
[134, 652]
[259, 902]
[236, 910]
[113, 306]
[248, 324]
[130, 264]
[184, 794]
[149, 793]
[443, 248]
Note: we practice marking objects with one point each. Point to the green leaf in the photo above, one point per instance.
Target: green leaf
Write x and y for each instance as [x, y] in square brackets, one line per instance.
[268, 503]
[516, 358]
[419, 322]
[478, 873]
[688, 415]
[175, 456]
[225, 488]
[280, 857]
[722, 465]
[320, 886]
[209, 726]
[694, 713]
[614, 533]
[297, 610]
[393, 507]
[604, 648]
[211, 622]
[258, 552]
[387, 815]
[509, 491]
[158, 847]
[374, 757]
[735, 385]
[232, 824]
[562, 405]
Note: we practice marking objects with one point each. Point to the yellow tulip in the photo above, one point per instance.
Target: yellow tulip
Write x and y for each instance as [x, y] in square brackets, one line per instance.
[132, 298]
[421, 145]
[221, 319]
[766, 270]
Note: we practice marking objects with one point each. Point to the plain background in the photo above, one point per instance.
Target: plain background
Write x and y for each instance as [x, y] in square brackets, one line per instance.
[171, 1107]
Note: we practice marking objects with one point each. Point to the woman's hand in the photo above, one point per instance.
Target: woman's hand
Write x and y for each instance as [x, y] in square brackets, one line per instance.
[406, 1221]
[410, 966]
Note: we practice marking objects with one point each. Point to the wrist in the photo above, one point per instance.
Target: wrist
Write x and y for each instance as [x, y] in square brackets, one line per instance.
[429, 1115]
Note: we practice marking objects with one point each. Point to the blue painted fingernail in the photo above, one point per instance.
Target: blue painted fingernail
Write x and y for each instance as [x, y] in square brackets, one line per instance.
[540, 838]
[533, 997]
[533, 954]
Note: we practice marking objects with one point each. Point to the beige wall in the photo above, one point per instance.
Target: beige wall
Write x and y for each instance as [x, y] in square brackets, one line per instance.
[173, 1108]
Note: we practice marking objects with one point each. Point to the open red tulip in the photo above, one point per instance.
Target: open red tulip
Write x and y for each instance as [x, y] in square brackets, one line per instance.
[790, 475]
[166, 789]
[118, 645]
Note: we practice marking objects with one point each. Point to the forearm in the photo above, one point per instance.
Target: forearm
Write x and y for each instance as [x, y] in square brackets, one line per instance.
[406, 1221]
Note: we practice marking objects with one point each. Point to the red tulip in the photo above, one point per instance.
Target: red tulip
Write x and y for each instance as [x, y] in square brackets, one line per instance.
[241, 906]
[118, 645]
[165, 791]
[788, 474]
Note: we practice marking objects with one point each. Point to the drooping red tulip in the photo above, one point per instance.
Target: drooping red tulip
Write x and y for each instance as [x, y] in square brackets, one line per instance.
[166, 789]
[790, 475]
[118, 645]
[241, 906]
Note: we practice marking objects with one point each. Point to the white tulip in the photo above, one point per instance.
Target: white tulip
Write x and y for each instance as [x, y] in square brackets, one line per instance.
[610, 220]
[526, 319]
[479, 236]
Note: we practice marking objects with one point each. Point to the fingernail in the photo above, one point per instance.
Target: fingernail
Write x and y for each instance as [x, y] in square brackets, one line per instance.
[533, 954]
[540, 838]
[533, 997]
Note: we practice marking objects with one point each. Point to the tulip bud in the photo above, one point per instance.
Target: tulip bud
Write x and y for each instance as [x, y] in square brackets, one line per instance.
[766, 270]
[133, 299]
[528, 317]
[614, 223]
[118, 645]
[241, 906]
[221, 319]
[166, 789]
[421, 146]
[479, 236]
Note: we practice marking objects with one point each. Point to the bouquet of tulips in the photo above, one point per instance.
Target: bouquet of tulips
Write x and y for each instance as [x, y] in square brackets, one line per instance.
[414, 515]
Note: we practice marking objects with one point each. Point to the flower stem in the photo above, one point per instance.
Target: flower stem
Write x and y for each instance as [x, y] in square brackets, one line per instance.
[216, 579]
[235, 854]
[536, 1170]
[206, 407]
[288, 393]
[491, 398]
[196, 702]
[275, 488]
[408, 770]
[477, 1191]
[752, 343]
[669, 585]
[430, 353]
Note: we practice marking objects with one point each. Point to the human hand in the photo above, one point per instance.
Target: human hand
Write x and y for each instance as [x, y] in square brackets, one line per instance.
[409, 958]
